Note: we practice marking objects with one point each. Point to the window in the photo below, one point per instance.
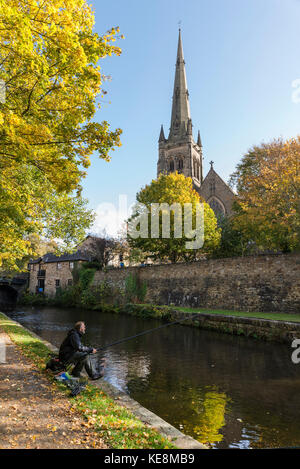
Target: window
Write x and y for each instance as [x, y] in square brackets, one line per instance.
[171, 165]
[71, 265]
[217, 206]
[57, 283]
[58, 265]
[180, 164]
[70, 282]
[41, 285]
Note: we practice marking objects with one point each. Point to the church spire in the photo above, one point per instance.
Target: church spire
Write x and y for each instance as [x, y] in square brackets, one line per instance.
[179, 151]
[162, 135]
[199, 143]
[181, 114]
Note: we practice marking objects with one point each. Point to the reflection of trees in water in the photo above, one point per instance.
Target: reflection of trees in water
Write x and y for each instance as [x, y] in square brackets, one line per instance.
[199, 412]
[211, 417]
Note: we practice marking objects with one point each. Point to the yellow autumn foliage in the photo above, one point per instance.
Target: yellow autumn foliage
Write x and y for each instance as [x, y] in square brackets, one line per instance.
[174, 188]
[49, 58]
[268, 202]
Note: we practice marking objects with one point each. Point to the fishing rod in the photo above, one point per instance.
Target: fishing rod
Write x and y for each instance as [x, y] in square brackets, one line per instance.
[125, 339]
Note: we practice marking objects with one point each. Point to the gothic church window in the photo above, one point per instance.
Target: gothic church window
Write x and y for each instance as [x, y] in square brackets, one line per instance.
[196, 169]
[180, 165]
[212, 187]
[217, 206]
[171, 166]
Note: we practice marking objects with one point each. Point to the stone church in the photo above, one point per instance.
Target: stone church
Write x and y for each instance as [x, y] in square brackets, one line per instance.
[179, 152]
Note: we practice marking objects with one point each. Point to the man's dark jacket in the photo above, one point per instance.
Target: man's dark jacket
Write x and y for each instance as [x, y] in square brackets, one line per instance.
[72, 344]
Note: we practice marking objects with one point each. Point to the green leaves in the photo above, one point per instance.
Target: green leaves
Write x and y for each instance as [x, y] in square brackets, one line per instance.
[49, 57]
[172, 189]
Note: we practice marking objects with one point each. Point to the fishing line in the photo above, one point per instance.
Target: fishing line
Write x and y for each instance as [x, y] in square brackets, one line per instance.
[125, 339]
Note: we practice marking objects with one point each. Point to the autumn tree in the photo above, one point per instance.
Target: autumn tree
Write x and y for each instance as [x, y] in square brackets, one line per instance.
[268, 202]
[233, 241]
[49, 63]
[172, 189]
[102, 250]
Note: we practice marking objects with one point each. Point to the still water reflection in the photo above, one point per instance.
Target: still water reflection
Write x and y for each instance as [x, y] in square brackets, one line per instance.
[229, 391]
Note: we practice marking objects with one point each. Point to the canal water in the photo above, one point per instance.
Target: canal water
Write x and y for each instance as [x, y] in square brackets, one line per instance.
[229, 391]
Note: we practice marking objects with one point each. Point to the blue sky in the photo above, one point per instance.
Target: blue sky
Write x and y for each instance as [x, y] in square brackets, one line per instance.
[242, 57]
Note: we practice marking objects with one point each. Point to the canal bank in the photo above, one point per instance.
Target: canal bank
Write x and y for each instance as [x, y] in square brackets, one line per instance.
[123, 414]
[226, 390]
[257, 328]
[280, 331]
[273, 327]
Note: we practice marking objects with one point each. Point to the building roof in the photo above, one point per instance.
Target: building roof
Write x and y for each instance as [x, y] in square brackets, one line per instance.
[80, 255]
[50, 257]
[211, 173]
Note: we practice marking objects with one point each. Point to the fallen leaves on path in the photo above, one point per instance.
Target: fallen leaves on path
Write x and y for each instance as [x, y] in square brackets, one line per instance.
[34, 414]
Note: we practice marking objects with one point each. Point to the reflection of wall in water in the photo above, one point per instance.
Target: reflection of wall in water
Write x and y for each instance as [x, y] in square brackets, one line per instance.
[121, 367]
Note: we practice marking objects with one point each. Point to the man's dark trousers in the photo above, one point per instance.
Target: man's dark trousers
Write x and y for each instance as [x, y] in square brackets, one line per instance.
[80, 359]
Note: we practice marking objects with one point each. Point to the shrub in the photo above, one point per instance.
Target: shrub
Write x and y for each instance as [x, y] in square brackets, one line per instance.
[86, 277]
[135, 290]
[66, 297]
[32, 299]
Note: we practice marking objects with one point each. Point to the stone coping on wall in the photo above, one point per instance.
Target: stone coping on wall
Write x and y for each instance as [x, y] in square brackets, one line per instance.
[246, 258]
[178, 438]
[290, 325]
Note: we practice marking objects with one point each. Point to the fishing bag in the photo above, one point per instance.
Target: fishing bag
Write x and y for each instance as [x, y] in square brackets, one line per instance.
[55, 365]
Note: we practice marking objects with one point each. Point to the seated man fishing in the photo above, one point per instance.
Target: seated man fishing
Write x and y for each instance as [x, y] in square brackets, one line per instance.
[73, 351]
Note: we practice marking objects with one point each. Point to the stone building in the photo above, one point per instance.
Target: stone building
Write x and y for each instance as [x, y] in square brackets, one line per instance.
[50, 272]
[180, 152]
[217, 193]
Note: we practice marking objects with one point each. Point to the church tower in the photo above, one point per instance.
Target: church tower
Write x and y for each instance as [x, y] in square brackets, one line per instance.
[179, 152]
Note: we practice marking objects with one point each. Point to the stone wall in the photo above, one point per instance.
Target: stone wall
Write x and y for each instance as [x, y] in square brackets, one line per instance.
[270, 330]
[266, 283]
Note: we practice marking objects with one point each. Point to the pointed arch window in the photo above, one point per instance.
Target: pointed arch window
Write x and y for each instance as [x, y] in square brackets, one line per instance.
[171, 165]
[180, 165]
[217, 206]
[212, 187]
[196, 167]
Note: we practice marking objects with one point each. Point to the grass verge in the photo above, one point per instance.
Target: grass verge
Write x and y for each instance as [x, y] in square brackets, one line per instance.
[118, 427]
[165, 312]
[243, 314]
